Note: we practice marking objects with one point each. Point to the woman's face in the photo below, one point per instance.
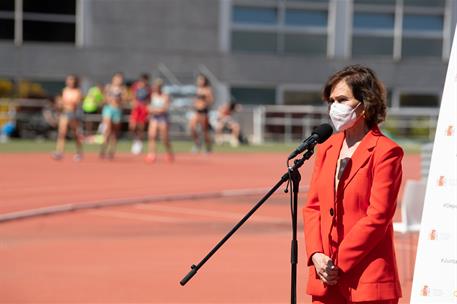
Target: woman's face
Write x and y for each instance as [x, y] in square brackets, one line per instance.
[157, 87]
[141, 84]
[70, 82]
[200, 81]
[342, 93]
[118, 80]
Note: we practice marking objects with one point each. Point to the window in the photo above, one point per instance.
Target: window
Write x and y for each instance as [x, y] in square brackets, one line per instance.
[6, 29]
[254, 15]
[373, 34]
[313, 39]
[301, 30]
[42, 21]
[299, 17]
[422, 35]
[371, 45]
[7, 20]
[293, 97]
[306, 44]
[7, 5]
[245, 95]
[425, 3]
[48, 31]
[376, 2]
[309, 1]
[419, 47]
[49, 21]
[413, 22]
[419, 100]
[254, 41]
[364, 20]
[374, 25]
[67, 7]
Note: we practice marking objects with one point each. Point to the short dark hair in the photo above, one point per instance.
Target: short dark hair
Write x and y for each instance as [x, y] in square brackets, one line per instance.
[366, 88]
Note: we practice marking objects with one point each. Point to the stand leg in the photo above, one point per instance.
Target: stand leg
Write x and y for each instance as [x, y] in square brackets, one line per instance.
[295, 176]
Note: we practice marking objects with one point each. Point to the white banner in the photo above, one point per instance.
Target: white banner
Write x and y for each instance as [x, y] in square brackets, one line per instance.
[435, 274]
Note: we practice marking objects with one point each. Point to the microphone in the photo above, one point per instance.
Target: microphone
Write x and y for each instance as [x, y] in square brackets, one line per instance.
[319, 135]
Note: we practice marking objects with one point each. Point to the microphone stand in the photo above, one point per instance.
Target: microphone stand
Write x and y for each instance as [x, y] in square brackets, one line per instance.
[294, 175]
[294, 178]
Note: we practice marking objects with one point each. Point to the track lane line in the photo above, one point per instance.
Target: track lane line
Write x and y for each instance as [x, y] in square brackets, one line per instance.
[135, 216]
[76, 206]
[210, 213]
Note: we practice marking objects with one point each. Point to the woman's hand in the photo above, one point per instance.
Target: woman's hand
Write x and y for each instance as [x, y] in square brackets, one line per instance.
[325, 269]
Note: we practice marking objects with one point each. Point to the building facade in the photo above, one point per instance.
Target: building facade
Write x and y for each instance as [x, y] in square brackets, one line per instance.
[256, 51]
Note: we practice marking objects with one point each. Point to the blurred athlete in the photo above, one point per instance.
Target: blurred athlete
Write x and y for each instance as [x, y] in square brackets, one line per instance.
[158, 122]
[202, 104]
[225, 121]
[70, 117]
[115, 95]
[138, 118]
[91, 105]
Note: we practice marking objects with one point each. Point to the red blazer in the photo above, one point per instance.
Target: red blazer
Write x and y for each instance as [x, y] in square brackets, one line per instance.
[359, 235]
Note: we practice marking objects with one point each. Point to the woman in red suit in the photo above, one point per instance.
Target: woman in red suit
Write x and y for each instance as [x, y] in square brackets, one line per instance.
[352, 197]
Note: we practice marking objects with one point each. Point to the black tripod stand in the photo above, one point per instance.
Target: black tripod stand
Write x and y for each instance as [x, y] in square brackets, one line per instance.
[293, 176]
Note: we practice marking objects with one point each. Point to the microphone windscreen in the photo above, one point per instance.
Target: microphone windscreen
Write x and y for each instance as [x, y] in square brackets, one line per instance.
[324, 131]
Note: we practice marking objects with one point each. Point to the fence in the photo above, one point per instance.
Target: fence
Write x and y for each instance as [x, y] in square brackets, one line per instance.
[258, 123]
[289, 123]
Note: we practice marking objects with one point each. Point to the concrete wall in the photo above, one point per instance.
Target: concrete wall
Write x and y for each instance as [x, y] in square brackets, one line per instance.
[134, 36]
[130, 36]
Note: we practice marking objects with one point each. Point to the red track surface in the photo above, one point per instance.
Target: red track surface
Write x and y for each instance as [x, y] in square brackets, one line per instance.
[138, 253]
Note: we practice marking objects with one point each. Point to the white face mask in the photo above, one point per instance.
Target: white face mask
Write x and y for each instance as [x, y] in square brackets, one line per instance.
[343, 116]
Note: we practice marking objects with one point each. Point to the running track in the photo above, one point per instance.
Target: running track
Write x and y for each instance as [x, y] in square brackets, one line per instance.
[138, 253]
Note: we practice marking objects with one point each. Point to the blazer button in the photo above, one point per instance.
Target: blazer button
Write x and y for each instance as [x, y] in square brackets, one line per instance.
[332, 212]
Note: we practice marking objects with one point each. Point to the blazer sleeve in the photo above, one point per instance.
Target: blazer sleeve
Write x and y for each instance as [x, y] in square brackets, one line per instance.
[369, 230]
[311, 214]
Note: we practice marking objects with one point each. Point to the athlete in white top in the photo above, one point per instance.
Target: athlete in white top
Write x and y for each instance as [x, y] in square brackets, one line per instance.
[158, 122]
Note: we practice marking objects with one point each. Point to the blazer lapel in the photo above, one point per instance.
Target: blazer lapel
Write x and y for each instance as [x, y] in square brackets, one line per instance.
[331, 159]
[362, 154]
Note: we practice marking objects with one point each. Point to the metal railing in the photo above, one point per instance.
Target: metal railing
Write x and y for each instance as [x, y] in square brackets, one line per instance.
[29, 116]
[289, 123]
[167, 74]
[262, 123]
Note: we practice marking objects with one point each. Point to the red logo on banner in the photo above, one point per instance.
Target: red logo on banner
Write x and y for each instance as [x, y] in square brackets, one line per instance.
[450, 130]
[441, 181]
[425, 291]
[432, 235]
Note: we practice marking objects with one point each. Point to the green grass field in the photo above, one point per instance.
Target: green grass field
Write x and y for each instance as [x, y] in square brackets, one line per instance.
[33, 146]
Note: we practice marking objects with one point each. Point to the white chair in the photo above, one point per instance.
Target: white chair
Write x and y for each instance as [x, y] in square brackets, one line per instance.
[412, 205]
